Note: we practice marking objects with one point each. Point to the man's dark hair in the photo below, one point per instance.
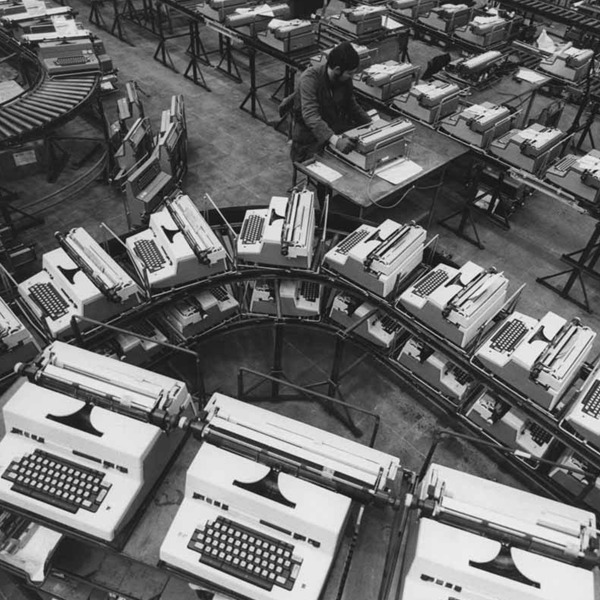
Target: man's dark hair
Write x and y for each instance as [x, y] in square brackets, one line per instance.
[344, 56]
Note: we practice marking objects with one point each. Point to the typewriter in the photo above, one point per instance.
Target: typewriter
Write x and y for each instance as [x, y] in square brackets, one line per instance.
[263, 297]
[486, 29]
[130, 107]
[62, 57]
[378, 258]
[447, 17]
[509, 426]
[583, 415]
[300, 298]
[61, 27]
[492, 541]
[16, 342]
[254, 532]
[435, 369]
[571, 64]
[363, 319]
[217, 10]
[387, 79]
[360, 20]
[139, 351]
[171, 147]
[586, 486]
[429, 102]
[162, 254]
[78, 465]
[257, 17]
[540, 359]
[20, 13]
[531, 149]
[281, 235]
[579, 175]
[288, 36]
[479, 124]
[478, 69]
[203, 241]
[412, 9]
[104, 272]
[456, 303]
[200, 311]
[378, 143]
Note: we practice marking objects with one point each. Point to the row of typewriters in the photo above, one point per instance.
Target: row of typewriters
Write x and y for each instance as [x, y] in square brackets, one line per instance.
[542, 360]
[267, 499]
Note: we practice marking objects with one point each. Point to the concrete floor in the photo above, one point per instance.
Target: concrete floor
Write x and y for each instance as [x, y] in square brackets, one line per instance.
[241, 161]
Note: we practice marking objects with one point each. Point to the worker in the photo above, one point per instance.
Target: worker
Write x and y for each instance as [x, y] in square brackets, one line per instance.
[324, 106]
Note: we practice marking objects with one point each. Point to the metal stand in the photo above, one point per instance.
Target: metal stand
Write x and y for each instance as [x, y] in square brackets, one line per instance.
[196, 49]
[585, 264]
[277, 377]
[252, 94]
[7, 210]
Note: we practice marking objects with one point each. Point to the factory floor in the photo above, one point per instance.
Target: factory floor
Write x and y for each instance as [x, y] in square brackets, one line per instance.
[239, 160]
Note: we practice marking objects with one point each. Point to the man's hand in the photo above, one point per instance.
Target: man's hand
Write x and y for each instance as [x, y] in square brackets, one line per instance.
[344, 144]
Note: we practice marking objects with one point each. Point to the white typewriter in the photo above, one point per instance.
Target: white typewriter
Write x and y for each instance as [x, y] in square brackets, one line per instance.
[129, 107]
[568, 63]
[288, 36]
[63, 27]
[300, 298]
[219, 9]
[162, 254]
[171, 146]
[583, 414]
[412, 8]
[435, 369]
[22, 13]
[16, 342]
[363, 319]
[457, 303]
[387, 79]
[210, 252]
[135, 350]
[378, 142]
[429, 102]
[477, 68]
[256, 17]
[485, 30]
[579, 175]
[251, 531]
[378, 258]
[61, 290]
[337, 463]
[106, 274]
[531, 149]
[200, 311]
[447, 17]
[476, 538]
[479, 124]
[585, 486]
[541, 358]
[509, 426]
[281, 235]
[263, 297]
[85, 467]
[359, 20]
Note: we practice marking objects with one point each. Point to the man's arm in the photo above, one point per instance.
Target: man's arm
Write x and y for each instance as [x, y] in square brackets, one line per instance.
[311, 109]
[356, 111]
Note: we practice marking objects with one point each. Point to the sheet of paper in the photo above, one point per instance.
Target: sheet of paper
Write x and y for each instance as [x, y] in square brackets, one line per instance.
[399, 171]
[391, 24]
[323, 171]
[530, 76]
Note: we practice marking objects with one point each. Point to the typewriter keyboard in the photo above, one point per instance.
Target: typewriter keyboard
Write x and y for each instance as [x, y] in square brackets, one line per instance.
[566, 163]
[150, 254]
[66, 61]
[143, 328]
[49, 300]
[56, 481]
[591, 403]
[389, 325]
[149, 175]
[247, 554]
[252, 229]
[538, 435]
[352, 240]
[430, 283]
[220, 293]
[309, 290]
[462, 377]
[509, 335]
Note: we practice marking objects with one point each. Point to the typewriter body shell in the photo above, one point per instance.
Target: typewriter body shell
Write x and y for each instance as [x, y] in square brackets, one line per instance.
[429, 102]
[579, 175]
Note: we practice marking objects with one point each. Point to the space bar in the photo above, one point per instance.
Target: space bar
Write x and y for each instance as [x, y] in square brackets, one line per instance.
[47, 498]
[235, 572]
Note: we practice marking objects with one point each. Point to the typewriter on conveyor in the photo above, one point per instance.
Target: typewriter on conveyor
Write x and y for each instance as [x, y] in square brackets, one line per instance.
[435, 369]
[81, 449]
[447, 17]
[469, 533]
[571, 64]
[585, 486]
[479, 124]
[288, 36]
[531, 149]
[378, 143]
[477, 70]
[509, 426]
[579, 175]
[281, 235]
[60, 27]
[457, 303]
[16, 342]
[364, 320]
[378, 258]
[488, 28]
[384, 80]
[411, 9]
[539, 358]
[359, 20]
[429, 102]
[257, 17]
[217, 10]
[67, 57]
